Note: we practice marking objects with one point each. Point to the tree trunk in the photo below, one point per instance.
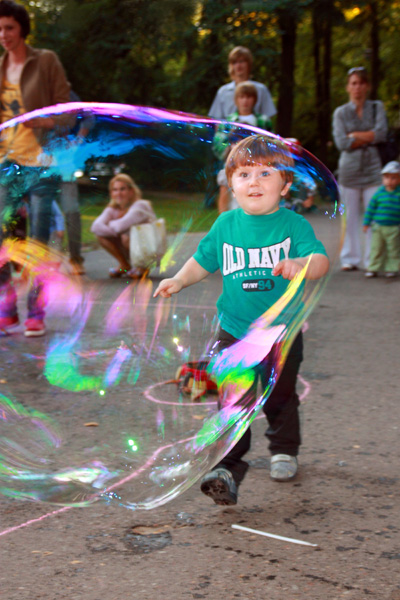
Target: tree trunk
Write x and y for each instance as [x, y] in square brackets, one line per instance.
[322, 43]
[287, 24]
[374, 37]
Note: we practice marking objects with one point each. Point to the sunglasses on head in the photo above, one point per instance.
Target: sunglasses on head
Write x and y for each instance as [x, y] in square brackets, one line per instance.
[357, 70]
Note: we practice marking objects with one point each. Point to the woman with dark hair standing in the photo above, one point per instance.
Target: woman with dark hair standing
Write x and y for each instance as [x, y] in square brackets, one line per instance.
[358, 126]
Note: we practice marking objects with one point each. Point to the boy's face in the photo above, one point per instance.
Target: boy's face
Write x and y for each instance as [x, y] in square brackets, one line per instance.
[240, 68]
[10, 33]
[245, 104]
[391, 181]
[258, 188]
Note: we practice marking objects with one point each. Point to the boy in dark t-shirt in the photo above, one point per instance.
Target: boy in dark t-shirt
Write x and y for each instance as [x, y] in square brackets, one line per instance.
[262, 245]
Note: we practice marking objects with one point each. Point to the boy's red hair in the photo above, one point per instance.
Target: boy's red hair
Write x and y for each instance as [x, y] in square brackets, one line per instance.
[261, 150]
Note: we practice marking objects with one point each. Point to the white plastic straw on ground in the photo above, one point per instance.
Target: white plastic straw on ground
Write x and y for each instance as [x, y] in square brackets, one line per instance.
[275, 537]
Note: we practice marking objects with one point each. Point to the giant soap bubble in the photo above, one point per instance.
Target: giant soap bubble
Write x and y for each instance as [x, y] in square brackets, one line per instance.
[96, 410]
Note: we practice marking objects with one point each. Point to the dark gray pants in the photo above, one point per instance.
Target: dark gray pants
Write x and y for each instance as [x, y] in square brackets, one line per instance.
[281, 408]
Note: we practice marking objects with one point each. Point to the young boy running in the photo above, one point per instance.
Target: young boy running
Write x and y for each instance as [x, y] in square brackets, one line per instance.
[259, 241]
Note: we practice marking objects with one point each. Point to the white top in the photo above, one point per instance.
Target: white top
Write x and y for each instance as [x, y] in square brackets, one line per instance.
[248, 119]
[113, 222]
[224, 103]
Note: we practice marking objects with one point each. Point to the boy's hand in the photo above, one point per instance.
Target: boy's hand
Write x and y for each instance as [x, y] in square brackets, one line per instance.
[365, 228]
[167, 287]
[287, 268]
[190, 273]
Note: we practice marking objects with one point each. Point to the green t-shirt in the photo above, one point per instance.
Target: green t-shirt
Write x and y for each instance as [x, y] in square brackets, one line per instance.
[246, 248]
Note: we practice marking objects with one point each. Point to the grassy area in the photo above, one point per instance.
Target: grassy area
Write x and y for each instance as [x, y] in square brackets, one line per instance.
[178, 210]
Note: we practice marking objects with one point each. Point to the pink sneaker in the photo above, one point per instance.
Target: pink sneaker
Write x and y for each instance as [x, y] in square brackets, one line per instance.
[8, 323]
[34, 328]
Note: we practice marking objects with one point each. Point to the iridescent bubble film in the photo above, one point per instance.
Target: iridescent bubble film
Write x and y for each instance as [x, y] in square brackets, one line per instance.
[112, 404]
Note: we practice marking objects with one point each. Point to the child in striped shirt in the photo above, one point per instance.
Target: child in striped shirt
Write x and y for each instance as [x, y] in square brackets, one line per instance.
[384, 213]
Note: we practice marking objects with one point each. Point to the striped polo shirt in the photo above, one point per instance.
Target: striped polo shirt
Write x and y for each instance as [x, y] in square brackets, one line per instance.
[384, 208]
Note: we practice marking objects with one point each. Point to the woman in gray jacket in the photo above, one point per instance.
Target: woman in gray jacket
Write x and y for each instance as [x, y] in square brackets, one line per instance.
[357, 127]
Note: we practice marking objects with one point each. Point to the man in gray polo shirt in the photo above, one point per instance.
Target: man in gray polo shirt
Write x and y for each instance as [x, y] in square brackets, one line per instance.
[240, 66]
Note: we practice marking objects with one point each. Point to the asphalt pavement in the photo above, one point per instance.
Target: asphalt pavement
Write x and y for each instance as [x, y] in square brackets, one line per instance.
[345, 499]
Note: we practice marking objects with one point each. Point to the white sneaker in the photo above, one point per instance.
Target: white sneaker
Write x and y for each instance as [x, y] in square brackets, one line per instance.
[283, 467]
[370, 274]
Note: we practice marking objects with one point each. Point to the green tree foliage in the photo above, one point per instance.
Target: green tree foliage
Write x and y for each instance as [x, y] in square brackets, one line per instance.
[173, 53]
[123, 51]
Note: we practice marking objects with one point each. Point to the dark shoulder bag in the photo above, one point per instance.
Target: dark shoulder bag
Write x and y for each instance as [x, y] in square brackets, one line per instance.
[388, 150]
